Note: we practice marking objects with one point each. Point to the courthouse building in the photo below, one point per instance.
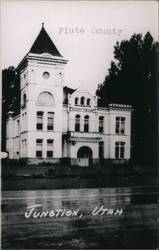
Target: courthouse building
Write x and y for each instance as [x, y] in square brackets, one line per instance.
[60, 124]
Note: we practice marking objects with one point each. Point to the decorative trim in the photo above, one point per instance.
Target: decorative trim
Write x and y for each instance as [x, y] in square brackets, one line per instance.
[81, 109]
[84, 139]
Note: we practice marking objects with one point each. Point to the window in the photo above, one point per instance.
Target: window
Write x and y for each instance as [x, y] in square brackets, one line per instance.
[39, 146]
[24, 100]
[46, 99]
[86, 123]
[120, 125]
[101, 150]
[88, 102]
[50, 148]
[76, 101]
[82, 100]
[119, 150]
[101, 124]
[50, 121]
[39, 124]
[46, 75]
[18, 126]
[77, 123]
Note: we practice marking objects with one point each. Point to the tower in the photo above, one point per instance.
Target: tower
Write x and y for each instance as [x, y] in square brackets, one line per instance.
[41, 83]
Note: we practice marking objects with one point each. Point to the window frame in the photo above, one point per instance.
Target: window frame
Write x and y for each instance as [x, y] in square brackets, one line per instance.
[120, 150]
[101, 124]
[82, 101]
[77, 123]
[39, 125]
[50, 126]
[39, 144]
[76, 101]
[120, 125]
[86, 123]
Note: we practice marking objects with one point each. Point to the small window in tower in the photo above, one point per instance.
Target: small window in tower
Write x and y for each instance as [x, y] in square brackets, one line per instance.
[46, 75]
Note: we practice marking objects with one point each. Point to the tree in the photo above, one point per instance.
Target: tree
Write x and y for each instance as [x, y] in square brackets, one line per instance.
[130, 81]
[10, 98]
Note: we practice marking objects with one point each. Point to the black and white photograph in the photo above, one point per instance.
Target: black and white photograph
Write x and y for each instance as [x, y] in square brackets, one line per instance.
[79, 125]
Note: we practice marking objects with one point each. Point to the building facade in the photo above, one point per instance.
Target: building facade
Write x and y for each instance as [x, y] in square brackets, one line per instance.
[60, 124]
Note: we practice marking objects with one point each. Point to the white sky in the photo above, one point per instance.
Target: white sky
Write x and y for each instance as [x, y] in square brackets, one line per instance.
[89, 54]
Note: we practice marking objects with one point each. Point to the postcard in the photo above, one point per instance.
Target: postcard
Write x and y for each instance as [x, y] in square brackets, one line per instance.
[79, 125]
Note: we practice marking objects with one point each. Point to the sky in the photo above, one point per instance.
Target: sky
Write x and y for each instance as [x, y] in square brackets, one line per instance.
[84, 32]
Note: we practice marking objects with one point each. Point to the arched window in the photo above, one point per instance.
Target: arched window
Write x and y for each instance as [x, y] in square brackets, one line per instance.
[82, 100]
[86, 123]
[88, 102]
[76, 101]
[24, 99]
[77, 123]
[46, 99]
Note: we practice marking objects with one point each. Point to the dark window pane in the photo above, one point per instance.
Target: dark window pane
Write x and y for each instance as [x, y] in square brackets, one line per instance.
[117, 152]
[76, 100]
[86, 128]
[39, 126]
[49, 153]
[39, 154]
[122, 152]
[39, 140]
[50, 127]
[50, 141]
[100, 129]
[82, 100]
[77, 127]
[40, 113]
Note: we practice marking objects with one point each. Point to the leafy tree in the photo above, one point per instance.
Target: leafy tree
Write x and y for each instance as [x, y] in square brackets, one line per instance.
[130, 80]
[10, 97]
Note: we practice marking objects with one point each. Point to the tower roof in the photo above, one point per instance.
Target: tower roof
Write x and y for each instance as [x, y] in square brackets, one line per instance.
[44, 44]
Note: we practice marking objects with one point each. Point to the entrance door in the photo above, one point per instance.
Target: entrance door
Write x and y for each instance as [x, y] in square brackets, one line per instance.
[84, 156]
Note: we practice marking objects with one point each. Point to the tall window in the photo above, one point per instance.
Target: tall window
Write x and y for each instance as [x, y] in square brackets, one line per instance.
[101, 124]
[101, 150]
[49, 148]
[39, 124]
[82, 100]
[120, 125]
[39, 148]
[88, 102]
[50, 121]
[86, 123]
[119, 150]
[77, 123]
[18, 126]
[24, 100]
[76, 101]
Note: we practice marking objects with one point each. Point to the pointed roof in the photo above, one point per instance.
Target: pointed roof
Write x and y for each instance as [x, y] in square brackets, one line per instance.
[44, 44]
